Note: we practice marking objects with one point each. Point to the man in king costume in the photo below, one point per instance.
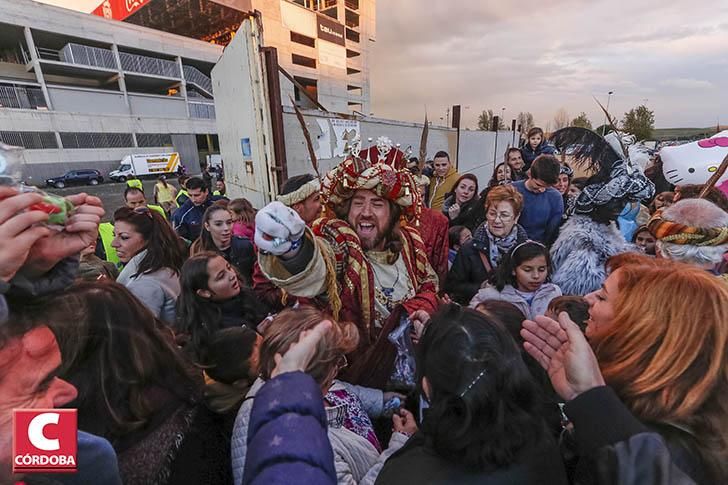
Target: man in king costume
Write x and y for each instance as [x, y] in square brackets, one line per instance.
[364, 258]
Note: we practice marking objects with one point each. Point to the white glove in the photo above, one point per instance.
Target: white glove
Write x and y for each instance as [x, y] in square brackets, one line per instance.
[278, 229]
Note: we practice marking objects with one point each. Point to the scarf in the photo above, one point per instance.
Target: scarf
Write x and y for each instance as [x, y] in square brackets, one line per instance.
[498, 247]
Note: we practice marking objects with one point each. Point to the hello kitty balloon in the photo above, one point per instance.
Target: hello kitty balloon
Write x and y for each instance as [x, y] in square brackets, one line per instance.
[694, 163]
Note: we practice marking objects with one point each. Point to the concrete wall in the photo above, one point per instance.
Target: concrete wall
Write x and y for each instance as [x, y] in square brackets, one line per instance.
[35, 120]
[161, 106]
[186, 146]
[477, 148]
[42, 164]
[75, 100]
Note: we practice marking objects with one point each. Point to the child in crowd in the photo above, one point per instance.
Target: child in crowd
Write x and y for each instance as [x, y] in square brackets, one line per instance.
[644, 240]
[243, 218]
[458, 236]
[522, 279]
[662, 200]
[576, 306]
[536, 146]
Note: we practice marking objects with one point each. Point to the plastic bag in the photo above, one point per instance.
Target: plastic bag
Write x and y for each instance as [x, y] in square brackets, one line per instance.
[404, 364]
[11, 164]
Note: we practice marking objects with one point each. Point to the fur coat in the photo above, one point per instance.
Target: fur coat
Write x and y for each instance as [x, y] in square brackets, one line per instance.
[580, 252]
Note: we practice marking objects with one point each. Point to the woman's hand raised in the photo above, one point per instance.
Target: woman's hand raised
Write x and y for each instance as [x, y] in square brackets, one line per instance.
[563, 351]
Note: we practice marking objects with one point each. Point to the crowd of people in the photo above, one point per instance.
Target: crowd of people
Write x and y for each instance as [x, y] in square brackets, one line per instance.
[389, 322]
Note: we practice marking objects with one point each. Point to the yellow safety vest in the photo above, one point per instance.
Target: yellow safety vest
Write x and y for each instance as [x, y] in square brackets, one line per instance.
[158, 209]
[180, 194]
[135, 183]
[106, 231]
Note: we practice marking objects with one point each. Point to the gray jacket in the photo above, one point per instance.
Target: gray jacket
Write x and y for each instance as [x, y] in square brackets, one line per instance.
[356, 461]
[538, 306]
[158, 291]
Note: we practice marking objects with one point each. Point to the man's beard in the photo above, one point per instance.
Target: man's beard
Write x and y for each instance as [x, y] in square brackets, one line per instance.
[373, 238]
[370, 243]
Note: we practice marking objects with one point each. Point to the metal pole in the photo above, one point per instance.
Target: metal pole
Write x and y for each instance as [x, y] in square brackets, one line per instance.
[495, 149]
[609, 98]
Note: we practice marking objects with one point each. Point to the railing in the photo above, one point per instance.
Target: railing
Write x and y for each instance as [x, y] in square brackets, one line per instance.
[202, 110]
[324, 4]
[195, 76]
[21, 97]
[87, 56]
[37, 140]
[98, 57]
[148, 65]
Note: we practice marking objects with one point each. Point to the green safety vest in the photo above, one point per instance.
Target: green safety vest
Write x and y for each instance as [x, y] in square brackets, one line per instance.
[217, 192]
[135, 183]
[106, 231]
[158, 209]
[182, 192]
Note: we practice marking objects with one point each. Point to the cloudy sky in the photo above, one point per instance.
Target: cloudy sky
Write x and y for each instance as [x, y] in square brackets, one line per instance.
[543, 55]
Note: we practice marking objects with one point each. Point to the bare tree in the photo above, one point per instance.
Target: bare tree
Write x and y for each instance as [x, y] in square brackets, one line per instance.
[525, 119]
[561, 119]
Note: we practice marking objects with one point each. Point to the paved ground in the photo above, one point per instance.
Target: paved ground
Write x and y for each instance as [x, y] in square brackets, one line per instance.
[111, 193]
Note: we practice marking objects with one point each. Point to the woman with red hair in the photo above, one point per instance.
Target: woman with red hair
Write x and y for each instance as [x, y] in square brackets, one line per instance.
[659, 335]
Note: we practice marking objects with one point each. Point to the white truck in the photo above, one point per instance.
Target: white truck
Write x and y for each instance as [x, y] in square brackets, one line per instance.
[153, 164]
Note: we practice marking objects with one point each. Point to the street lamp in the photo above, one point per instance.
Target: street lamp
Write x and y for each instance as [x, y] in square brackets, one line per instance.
[609, 98]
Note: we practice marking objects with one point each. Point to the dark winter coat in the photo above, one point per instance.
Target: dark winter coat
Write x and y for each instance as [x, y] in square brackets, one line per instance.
[469, 216]
[529, 154]
[187, 220]
[468, 271]
[416, 462]
[241, 255]
[287, 438]
[617, 448]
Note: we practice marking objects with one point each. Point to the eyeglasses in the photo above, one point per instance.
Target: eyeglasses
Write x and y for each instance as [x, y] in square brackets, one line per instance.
[502, 216]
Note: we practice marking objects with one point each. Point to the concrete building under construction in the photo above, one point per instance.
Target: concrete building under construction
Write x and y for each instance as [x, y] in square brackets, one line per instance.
[323, 44]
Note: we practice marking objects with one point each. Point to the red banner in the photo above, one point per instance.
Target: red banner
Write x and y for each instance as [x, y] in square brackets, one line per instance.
[118, 9]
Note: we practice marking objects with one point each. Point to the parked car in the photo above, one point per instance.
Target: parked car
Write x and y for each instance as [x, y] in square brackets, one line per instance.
[76, 177]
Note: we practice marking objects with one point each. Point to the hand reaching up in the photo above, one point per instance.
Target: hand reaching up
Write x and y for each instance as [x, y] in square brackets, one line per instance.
[18, 229]
[300, 353]
[563, 351]
[404, 422]
[81, 229]
[277, 227]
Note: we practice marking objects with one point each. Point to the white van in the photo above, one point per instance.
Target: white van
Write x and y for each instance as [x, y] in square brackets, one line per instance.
[154, 164]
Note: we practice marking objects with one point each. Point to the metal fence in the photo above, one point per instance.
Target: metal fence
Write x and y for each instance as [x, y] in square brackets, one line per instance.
[21, 97]
[97, 140]
[202, 110]
[148, 65]
[29, 139]
[154, 139]
[87, 56]
[195, 76]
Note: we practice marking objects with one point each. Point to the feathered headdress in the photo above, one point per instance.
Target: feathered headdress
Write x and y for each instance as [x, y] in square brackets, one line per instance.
[615, 163]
